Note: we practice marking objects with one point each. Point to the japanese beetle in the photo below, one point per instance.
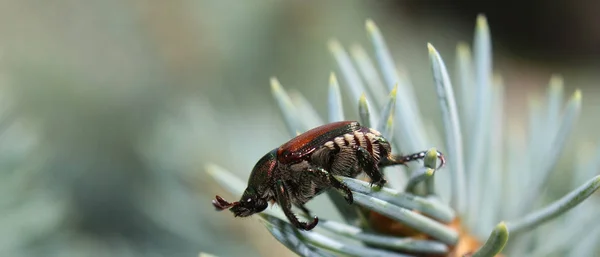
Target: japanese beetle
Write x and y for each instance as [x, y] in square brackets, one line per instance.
[304, 167]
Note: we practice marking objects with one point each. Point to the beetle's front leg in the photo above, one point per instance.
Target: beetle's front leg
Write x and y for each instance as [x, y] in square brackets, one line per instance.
[283, 199]
[367, 163]
[329, 179]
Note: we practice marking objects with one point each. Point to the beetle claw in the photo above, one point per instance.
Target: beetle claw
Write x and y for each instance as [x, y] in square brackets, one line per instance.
[442, 160]
[349, 198]
[311, 225]
[379, 183]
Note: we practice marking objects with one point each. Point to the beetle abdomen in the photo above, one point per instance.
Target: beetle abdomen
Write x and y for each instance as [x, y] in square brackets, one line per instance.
[367, 138]
[343, 150]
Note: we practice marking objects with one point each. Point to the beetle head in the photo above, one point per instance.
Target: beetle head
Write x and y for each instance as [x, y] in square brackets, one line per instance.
[249, 204]
[255, 196]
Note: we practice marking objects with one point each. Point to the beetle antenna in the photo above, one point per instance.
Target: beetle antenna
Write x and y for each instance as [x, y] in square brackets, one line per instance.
[221, 204]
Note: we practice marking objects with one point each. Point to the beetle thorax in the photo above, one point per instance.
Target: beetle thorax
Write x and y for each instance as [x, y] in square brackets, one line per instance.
[263, 171]
[302, 184]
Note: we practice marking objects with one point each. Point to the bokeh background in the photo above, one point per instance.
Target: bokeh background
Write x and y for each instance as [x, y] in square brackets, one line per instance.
[110, 110]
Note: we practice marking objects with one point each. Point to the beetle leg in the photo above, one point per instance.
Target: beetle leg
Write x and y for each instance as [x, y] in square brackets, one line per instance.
[332, 181]
[403, 159]
[283, 200]
[367, 163]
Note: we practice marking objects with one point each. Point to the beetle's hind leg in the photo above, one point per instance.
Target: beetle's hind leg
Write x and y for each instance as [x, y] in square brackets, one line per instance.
[367, 163]
[403, 159]
[283, 199]
[326, 177]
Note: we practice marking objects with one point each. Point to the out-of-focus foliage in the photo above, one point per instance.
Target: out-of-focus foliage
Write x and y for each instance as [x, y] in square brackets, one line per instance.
[111, 109]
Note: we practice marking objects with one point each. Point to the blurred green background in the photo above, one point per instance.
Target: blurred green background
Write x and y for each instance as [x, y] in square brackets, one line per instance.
[111, 109]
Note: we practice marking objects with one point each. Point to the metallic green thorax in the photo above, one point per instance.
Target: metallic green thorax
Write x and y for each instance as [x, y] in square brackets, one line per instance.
[261, 173]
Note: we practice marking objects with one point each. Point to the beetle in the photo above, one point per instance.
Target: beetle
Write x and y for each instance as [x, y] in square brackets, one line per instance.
[302, 168]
